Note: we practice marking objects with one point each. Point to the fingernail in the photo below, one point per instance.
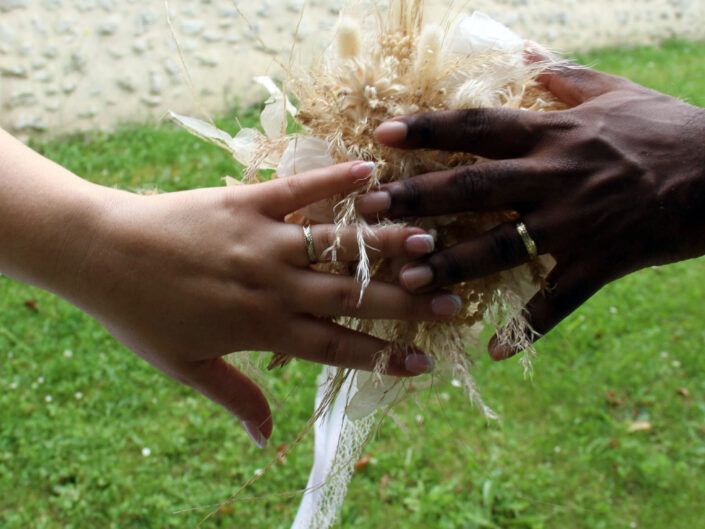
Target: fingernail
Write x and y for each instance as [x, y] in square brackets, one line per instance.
[421, 243]
[446, 305]
[534, 49]
[416, 277]
[375, 202]
[392, 132]
[499, 351]
[531, 45]
[252, 429]
[419, 363]
[362, 170]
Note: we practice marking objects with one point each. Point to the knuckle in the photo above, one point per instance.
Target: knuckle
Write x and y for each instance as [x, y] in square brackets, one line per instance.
[405, 306]
[619, 82]
[560, 121]
[348, 299]
[378, 242]
[475, 124]
[293, 186]
[406, 196]
[506, 247]
[232, 199]
[472, 184]
[594, 139]
[236, 255]
[254, 298]
[574, 73]
[388, 240]
[245, 269]
[332, 351]
[326, 241]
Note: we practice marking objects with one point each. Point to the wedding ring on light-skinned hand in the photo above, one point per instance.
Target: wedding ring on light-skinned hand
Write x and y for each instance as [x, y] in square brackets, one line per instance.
[529, 243]
[310, 250]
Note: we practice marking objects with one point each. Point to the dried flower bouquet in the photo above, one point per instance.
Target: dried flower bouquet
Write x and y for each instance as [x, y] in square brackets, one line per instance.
[385, 64]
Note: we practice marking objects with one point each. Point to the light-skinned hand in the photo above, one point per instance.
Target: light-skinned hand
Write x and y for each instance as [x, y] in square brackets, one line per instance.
[183, 279]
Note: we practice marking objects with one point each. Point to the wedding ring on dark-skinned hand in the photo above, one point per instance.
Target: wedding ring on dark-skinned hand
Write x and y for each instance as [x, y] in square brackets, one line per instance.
[529, 243]
[310, 250]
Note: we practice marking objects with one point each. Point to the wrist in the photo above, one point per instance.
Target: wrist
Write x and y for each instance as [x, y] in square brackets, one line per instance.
[76, 246]
[49, 236]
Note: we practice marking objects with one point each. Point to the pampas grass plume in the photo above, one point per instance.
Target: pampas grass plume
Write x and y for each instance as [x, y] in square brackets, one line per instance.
[475, 93]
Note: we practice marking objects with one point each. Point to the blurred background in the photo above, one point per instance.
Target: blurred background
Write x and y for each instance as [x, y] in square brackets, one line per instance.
[69, 65]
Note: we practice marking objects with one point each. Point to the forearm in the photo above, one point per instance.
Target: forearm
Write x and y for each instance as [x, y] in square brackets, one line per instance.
[47, 219]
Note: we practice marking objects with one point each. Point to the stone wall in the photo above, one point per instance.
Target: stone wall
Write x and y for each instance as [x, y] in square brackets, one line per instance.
[76, 64]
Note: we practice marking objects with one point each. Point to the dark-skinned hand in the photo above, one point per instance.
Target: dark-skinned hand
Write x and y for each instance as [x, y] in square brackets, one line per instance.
[612, 185]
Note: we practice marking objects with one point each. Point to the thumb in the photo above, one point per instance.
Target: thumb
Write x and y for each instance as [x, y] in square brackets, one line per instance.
[570, 82]
[226, 385]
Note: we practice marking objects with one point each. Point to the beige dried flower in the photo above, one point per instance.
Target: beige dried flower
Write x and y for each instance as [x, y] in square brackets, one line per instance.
[349, 39]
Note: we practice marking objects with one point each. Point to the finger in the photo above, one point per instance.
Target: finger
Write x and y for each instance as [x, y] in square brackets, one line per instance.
[570, 288]
[334, 295]
[283, 195]
[570, 82]
[480, 187]
[224, 384]
[327, 343]
[498, 249]
[490, 132]
[342, 244]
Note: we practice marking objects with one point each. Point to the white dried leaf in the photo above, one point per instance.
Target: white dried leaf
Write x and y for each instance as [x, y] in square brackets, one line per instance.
[204, 130]
[244, 147]
[373, 392]
[247, 144]
[480, 33]
[273, 119]
[305, 154]
[275, 93]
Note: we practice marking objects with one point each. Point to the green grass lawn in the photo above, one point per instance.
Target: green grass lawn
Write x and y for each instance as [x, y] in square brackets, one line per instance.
[91, 436]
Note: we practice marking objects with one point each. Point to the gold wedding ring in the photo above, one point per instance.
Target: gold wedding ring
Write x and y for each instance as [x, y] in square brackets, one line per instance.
[529, 243]
[310, 250]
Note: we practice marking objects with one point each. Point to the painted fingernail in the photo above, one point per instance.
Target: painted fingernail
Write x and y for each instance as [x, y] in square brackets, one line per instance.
[362, 170]
[419, 363]
[446, 305]
[416, 277]
[500, 351]
[252, 429]
[392, 131]
[420, 244]
[375, 202]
